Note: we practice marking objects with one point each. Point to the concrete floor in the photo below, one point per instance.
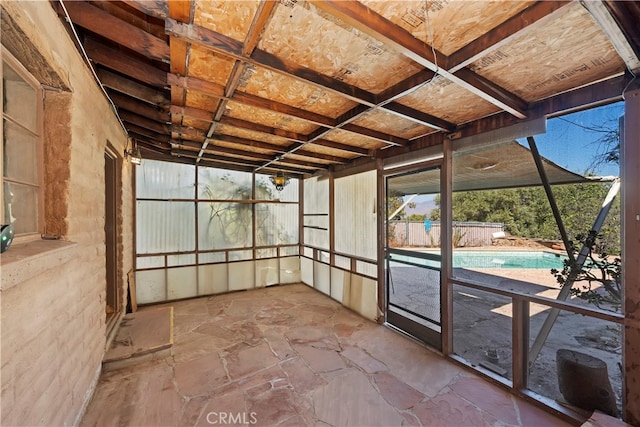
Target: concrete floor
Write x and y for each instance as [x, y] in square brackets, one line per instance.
[291, 356]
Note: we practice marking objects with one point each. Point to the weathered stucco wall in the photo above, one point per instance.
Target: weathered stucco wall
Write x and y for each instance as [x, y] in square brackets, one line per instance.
[53, 294]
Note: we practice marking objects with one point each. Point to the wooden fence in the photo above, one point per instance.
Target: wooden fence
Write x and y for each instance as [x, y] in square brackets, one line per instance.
[417, 233]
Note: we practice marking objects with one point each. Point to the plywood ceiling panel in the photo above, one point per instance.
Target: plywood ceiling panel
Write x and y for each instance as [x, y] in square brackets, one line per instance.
[330, 151]
[253, 135]
[216, 143]
[202, 101]
[350, 69]
[453, 23]
[232, 18]
[278, 87]
[569, 52]
[350, 138]
[207, 65]
[448, 101]
[295, 156]
[195, 123]
[269, 118]
[332, 48]
[392, 124]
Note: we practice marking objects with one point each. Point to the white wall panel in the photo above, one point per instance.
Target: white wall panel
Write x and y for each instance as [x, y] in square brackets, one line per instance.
[355, 215]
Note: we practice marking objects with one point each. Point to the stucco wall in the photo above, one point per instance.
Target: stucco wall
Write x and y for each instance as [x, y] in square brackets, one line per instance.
[53, 293]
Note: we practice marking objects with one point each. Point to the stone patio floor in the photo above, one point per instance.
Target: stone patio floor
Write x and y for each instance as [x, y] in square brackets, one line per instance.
[291, 356]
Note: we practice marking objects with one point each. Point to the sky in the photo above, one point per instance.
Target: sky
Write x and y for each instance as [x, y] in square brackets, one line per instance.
[568, 144]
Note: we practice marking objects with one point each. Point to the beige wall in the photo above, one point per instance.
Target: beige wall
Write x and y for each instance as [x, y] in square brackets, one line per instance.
[53, 292]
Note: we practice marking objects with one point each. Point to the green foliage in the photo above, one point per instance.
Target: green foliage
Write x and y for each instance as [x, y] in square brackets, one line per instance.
[602, 274]
[394, 201]
[526, 212]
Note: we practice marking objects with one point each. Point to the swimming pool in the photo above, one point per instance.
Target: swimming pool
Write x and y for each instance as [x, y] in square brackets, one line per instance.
[510, 259]
[494, 259]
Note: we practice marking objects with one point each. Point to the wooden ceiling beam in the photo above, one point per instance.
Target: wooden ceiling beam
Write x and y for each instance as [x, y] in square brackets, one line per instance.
[125, 64]
[132, 89]
[256, 101]
[213, 157]
[380, 136]
[192, 112]
[620, 23]
[343, 147]
[144, 122]
[160, 144]
[366, 20]
[504, 33]
[135, 130]
[142, 108]
[189, 133]
[405, 87]
[108, 26]
[156, 8]
[420, 117]
[248, 142]
[227, 46]
[243, 124]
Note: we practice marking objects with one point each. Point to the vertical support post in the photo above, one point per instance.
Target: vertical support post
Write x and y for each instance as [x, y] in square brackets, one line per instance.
[300, 216]
[446, 247]
[332, 219]
[520, 343]
[382, 241]
[630, 162]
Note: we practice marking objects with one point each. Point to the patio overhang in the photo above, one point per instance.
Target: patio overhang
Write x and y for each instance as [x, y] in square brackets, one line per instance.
[496, 166]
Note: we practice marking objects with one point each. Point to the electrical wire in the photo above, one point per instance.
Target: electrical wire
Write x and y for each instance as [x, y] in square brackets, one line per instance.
[431, 37]
[93, 71]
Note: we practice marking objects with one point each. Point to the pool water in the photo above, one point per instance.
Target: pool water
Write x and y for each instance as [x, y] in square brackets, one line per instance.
[514, 259]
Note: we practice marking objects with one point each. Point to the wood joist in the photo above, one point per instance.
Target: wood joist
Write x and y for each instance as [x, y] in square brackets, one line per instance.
[141, 53]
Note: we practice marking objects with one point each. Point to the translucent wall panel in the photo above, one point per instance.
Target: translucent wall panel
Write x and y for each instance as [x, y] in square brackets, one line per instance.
[276, 224]
[266, 272]
[221, 184]
[165, 227]
[322, 277]
[149, 261]
[355, 215]
[306, 271]
[182, 283]
[240, 255]
[151, 286]
[316, 212]
[212, 279]
[290, 270]
[267, 253]
[265, 190]
[289, 250]
[175, 260]
[164, 180]
[241, 275]
[205, 258]
[340, 280]
[224, 225]
[361, 295]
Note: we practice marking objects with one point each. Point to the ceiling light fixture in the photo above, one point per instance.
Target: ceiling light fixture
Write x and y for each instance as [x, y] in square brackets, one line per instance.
[279, 180]
[133, 154]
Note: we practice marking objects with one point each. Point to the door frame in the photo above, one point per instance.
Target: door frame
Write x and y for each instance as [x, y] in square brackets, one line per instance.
[422, 333]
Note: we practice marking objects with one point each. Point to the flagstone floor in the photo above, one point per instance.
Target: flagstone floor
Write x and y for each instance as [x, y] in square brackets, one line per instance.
[291, 356]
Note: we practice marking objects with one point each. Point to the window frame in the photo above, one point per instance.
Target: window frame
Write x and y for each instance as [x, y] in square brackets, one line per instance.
[21, 71]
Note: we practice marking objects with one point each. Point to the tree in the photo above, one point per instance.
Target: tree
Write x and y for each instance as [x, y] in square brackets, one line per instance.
[526, 212]
[394, 201]
[601, 272]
